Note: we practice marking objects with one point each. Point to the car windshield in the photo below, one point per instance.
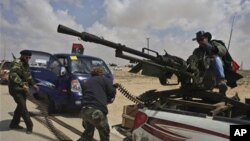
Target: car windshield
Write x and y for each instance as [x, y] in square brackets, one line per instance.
[84, 65]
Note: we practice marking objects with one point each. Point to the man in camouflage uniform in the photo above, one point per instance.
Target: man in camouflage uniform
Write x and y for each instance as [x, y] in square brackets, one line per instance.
[98, 92]
[215, 50]
[19, 81]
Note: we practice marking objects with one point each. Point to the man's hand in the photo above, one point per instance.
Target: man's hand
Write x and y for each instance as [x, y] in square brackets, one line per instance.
[211, 50]
[116, 85]
[26, 88]
[111, 101]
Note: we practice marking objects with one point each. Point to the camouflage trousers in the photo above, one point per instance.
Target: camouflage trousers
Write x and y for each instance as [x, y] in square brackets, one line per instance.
[21, 111]
[93, 118]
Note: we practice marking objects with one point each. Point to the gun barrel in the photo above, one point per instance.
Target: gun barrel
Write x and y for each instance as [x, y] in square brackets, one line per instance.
[92, 38]
[65, 30]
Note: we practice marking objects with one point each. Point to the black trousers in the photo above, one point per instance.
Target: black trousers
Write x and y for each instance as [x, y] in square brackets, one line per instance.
[21, 111]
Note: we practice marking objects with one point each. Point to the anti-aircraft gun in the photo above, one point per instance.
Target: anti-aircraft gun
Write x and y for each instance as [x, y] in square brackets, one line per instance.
[161, 66]
[192, 83]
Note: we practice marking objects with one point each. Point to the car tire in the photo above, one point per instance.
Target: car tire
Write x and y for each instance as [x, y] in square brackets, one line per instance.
[127, 139]
[36, 96]
[52, 107]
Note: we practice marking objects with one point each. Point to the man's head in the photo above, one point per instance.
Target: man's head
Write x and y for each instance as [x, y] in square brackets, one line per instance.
[25, 55]
[97, 71]
[202, 36]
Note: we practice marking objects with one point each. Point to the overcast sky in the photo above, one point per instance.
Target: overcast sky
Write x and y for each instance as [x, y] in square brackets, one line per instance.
[170, 25]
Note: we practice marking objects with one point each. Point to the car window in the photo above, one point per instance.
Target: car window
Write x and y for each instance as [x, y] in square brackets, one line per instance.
[64, 62]
[85, 65]
[43, 60]
[54, 66]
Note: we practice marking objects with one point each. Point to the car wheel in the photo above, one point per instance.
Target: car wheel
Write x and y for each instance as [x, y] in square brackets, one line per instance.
[53, 108]
[127, 139]
[36, 96]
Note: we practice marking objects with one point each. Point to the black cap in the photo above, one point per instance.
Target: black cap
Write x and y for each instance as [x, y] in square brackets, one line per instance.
[203, 34]
[26, 52]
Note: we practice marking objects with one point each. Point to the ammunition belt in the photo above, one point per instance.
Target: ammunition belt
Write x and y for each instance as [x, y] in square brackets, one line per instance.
[128, 95]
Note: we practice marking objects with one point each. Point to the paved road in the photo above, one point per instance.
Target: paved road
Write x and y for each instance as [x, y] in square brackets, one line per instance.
[40, 132]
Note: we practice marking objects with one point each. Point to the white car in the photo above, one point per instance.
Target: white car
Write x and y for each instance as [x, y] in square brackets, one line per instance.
[152, 125]
[173, 123]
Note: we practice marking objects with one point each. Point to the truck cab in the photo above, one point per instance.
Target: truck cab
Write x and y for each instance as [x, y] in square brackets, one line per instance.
[61, 78]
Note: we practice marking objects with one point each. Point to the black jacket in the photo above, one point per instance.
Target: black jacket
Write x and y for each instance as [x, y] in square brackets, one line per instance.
[97, 91]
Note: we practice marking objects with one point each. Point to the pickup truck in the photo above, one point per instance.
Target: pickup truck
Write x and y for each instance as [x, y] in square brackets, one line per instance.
[61, 77]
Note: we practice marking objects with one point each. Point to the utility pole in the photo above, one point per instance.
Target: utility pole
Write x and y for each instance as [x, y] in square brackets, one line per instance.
[4, 52]
[148, 44]
[241, 65]
[231, 32]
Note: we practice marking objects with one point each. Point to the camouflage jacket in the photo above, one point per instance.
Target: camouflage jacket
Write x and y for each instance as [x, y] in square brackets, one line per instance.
[19, 75]
[222, 50]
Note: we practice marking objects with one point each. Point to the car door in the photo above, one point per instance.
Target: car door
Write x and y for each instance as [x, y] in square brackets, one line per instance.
[45, 70]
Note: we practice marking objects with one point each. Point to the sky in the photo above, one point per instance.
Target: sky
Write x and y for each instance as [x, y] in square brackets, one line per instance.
[169, 25]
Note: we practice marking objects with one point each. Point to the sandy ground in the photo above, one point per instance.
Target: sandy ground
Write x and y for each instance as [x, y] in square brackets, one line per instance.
[136, 84]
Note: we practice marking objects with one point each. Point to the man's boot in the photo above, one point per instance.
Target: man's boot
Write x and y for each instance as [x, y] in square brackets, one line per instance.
[222, 85]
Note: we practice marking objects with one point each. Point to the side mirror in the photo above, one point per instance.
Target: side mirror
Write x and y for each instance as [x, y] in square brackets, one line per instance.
[63, 71]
